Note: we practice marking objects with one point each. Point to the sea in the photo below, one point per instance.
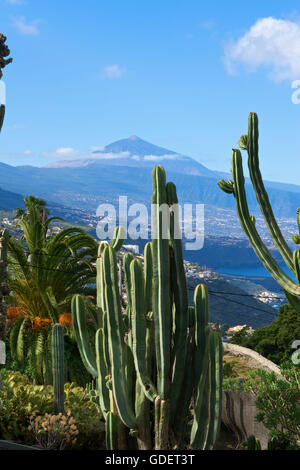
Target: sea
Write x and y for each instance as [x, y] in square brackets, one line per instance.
[256, 271]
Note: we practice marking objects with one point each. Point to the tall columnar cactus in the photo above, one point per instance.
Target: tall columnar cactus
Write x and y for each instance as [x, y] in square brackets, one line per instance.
[157, 363]
[58, 367]
[237, 188]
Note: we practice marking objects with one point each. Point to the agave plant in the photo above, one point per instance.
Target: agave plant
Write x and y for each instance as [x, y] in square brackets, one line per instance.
[44, 273]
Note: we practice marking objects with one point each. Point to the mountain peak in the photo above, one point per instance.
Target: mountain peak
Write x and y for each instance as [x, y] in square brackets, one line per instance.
[136, 152]
[134, 145]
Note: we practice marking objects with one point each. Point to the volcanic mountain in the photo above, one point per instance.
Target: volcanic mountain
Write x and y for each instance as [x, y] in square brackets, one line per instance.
[124, 168]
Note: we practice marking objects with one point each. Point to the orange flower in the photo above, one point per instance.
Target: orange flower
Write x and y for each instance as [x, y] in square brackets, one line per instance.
[39, 323]
[65, 319]
[13, 313]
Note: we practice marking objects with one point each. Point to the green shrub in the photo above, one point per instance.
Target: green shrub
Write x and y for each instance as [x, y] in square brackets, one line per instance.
[19, 399]
[278, 403]
[275, 341]
[228, 370]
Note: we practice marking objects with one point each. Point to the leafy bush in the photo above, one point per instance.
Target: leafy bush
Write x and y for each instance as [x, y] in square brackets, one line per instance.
[228, 370]
[54, 432]
[19, 399]
[278, 402]
[275, 341]
[240, 336]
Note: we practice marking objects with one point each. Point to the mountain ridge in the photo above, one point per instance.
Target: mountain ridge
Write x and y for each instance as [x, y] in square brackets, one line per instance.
[118, 169]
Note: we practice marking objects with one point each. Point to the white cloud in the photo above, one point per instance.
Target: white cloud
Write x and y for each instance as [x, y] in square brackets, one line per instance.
[113, 71]
[25, 27]
[270, 42]
[96, 148]
[62, 152]
[111, 156]
[15, 2]
[27, 152]
[155, 158]
[68, 153]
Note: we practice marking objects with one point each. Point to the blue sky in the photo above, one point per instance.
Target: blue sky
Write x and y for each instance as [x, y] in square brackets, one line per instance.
[181, 74]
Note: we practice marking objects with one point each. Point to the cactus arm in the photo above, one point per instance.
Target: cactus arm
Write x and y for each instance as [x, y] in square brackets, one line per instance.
[215, 375]
[201, 409]
[179, 288]
[99, 279]
[296, 262]
[139, 329]
[116, 341]
[111, 431]
[201, 322]
[106, 344]
[250, 230]
[142, 411]
[58, 367]
[128, 257]
[142, 404]
[161, 278]
[156, 421]
[148, 274]
[118, 238]
[130, 375]
[261, 193]
[163, 426]
[102, 373]
[182, 416]
[78, 316]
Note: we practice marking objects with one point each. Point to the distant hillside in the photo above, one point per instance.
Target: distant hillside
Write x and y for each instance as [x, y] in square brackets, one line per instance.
[234, 309]
[124, 168]
[10, 201]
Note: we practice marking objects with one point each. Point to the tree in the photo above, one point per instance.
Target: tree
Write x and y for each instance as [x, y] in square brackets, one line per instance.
[45, 272]
[275, 341]
[240, 336]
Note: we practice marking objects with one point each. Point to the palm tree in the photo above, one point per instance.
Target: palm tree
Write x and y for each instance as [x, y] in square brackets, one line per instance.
[44, 273]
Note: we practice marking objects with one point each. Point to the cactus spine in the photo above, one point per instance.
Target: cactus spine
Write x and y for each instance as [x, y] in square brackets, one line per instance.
[156, 359]
[58, 367]
[237, 187]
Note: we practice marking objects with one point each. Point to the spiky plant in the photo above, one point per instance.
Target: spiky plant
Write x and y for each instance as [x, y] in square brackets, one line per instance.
[45, 272]
[236, 187]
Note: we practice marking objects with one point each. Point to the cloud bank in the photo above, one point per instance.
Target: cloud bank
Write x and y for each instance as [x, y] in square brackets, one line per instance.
[270, 42]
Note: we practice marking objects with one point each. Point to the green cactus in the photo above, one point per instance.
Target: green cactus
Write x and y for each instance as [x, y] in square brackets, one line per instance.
[58, 367]
[157, 364]
[237, 187]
